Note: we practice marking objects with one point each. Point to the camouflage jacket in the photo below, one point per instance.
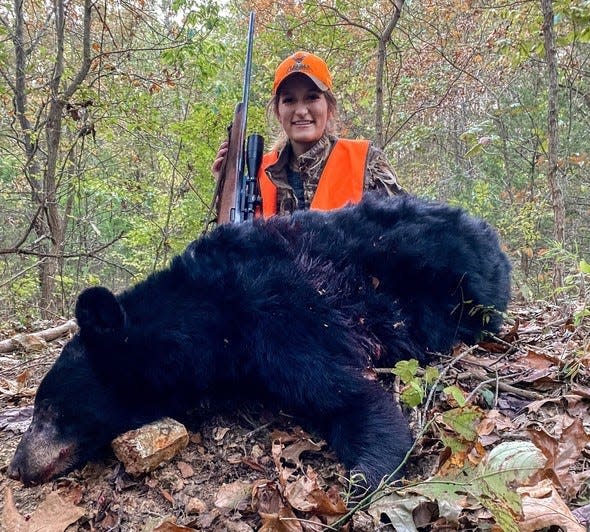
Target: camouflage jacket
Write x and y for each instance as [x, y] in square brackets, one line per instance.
[379, 175]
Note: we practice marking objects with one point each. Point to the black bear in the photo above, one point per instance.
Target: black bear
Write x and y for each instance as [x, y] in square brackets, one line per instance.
[291, 311]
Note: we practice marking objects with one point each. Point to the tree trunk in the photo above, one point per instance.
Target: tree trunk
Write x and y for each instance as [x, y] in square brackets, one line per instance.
[382, 45]
[40, 166]
[553, 135]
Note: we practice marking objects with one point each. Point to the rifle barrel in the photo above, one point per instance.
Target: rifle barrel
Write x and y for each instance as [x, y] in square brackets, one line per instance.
[240, 201]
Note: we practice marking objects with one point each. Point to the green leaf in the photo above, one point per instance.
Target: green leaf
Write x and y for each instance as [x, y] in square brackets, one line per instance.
[406, 370]
[509, 463]
[431, 374]
[456, 393]
[453, 443]
[474, 150]
[413, 394]
[584, 266]
[513, 461]
[463, 421]
[488, 396]
[580, 315]
[493, 483]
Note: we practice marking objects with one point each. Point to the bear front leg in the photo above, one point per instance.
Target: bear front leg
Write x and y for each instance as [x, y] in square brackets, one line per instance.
[369, 434]
[361, 422]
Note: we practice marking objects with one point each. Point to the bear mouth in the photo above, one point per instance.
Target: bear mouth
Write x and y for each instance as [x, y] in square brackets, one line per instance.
[59, 462]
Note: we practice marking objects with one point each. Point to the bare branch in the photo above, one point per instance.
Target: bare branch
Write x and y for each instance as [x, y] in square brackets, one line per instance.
[89, 254]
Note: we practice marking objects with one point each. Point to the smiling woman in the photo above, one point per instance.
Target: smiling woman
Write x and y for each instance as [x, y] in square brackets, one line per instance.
[310, 167]
[303, 112]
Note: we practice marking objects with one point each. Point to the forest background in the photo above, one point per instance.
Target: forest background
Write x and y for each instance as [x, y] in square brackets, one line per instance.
[111, 113]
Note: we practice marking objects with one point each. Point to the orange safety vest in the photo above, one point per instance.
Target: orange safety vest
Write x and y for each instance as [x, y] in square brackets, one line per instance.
[342, 180]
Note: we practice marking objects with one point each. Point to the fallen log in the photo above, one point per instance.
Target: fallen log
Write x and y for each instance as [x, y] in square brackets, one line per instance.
[32, 341]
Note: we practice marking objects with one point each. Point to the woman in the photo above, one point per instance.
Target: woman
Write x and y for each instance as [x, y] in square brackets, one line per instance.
[309, 167]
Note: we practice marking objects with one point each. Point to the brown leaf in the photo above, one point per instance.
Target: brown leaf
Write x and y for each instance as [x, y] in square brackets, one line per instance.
[234, 495]
[16, 420]
[13, 388]
[283, 436]
[283, 471]
[494, 421]
[23, 377]
[580, 390]
[13, 520]
[276, 515]
[219, 433]
[186, 470]
[253, 464]
[266, 497]
[571, 444]
[284, 521]
[292, 453]
[582, 514]
[171, 526]
[542, 507]
[563, 452]
[166, 495]
[512, 335]
[306, 495]
[52, 515]
[31, 343]
[537, 360]
[494, 347]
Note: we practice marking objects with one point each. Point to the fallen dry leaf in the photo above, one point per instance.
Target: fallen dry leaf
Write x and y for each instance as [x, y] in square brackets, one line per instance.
[13, 520]
[283, 470]
[253, 464]
[582, 514]
[234, 495]
[166, 495]
[562, 453]
[543, 507]
[16, 420]
[292, 453]
[14, 388]
[30, 343]
[171, 526]
[186, 470]
[275, 514]
[306, 495]
[219, 433]
[494, 421]
[52, 515]
[284, 521]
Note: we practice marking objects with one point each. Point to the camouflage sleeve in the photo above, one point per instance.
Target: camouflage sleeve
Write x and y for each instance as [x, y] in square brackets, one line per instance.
[379, 174]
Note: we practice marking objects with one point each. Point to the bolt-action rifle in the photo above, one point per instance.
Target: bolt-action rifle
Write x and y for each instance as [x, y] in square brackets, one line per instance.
[237, 195]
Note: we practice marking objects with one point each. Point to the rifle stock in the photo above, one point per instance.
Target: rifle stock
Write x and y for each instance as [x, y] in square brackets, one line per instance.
[230, 176]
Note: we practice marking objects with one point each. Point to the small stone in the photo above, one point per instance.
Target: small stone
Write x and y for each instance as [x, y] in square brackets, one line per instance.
[145, 448]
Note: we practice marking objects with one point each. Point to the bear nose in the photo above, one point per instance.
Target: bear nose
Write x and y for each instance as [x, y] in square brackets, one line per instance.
[14, 472]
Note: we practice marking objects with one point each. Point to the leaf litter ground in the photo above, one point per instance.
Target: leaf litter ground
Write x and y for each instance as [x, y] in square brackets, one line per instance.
[518, 399]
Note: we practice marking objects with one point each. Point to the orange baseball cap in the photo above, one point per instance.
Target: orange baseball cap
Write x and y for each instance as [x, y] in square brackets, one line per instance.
[304, 63]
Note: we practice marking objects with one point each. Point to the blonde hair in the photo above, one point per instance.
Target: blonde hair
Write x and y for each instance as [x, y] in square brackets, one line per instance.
[281, 139]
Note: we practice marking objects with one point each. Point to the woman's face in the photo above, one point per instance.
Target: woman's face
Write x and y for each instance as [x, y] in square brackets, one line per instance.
[302, 110]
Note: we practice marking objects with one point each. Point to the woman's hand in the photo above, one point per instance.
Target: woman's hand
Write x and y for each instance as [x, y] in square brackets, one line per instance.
[219, 158]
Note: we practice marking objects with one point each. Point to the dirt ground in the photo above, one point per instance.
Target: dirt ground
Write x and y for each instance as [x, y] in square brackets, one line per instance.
[227, 476]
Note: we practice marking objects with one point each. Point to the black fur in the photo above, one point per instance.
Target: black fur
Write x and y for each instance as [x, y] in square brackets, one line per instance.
[290, 311]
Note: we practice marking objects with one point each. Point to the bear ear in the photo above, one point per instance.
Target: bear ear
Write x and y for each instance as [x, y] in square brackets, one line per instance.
[99, 312]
